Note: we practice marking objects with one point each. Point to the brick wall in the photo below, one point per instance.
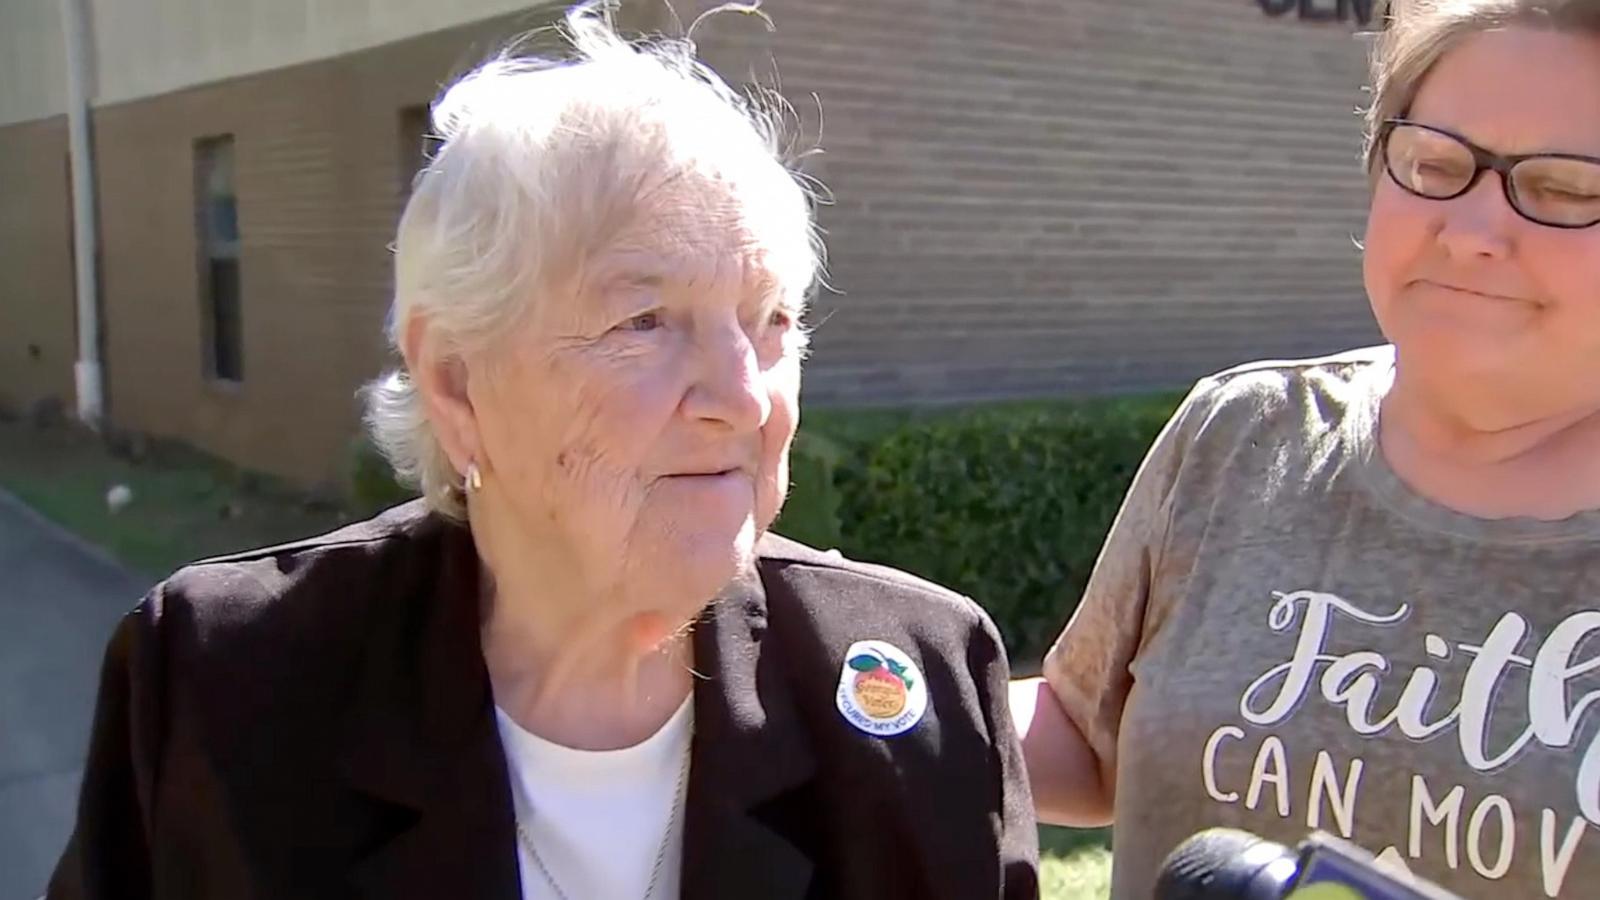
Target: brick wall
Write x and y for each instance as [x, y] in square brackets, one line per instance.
[1049, 196]
[1031, 198]
[320, 171]
[38, 337]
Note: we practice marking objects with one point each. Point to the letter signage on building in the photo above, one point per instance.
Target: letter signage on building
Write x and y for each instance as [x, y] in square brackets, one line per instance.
[1362, 12]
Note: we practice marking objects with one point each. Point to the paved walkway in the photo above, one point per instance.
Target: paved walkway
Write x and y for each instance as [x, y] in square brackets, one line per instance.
[59, 601]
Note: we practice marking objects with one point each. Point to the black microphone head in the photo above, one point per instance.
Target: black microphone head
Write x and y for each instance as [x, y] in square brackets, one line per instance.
[1227, 864]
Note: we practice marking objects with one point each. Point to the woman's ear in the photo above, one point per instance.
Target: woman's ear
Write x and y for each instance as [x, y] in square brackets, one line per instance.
[440, 377]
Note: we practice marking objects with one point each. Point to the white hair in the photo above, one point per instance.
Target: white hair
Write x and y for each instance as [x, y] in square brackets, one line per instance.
[541, 161]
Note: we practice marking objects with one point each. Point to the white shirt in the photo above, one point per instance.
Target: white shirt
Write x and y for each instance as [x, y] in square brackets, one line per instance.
[597, 817]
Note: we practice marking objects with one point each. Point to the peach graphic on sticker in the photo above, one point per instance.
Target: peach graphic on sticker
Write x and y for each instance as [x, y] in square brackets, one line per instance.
[881, 691]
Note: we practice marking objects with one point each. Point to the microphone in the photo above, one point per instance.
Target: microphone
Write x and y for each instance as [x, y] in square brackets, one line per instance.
[1228, 864]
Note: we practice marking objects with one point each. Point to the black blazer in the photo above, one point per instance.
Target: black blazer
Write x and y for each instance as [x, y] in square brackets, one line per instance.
[315, 721]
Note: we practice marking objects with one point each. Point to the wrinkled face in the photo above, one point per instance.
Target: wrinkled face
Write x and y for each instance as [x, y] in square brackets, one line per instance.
[642, 420]
[1470, 292]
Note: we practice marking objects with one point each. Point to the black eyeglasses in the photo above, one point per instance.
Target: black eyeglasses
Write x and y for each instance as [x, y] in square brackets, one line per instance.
[1561, 190]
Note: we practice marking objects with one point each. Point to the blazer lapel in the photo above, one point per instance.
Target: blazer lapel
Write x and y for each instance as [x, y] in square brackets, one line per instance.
[751, 750]
[422, 743]
[423, 747]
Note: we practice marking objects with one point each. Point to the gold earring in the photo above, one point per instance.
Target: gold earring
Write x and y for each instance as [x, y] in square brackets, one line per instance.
[474, 479]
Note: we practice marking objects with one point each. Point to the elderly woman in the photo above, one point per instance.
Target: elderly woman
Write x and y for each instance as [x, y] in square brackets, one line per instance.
[579, 667]
[1363, 593]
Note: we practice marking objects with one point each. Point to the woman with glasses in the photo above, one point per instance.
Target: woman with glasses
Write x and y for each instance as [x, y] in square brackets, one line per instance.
[1362, 593]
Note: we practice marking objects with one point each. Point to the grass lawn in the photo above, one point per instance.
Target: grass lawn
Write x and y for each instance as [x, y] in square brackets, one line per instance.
[187, 506]
[1074, 864]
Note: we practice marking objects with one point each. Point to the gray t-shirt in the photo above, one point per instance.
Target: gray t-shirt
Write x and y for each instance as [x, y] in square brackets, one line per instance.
[1279, 636]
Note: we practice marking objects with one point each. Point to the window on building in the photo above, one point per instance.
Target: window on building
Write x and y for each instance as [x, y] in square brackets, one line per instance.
[217, 224]
[417, 144]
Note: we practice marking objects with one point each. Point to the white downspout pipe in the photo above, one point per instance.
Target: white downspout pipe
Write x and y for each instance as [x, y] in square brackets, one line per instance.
[87, 372]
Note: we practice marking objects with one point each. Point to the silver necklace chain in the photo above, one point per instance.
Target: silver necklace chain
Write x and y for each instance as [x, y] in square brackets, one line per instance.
[679, 797]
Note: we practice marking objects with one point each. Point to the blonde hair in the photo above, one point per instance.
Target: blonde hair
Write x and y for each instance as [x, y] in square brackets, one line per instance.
[540, 162]
[1421, 32]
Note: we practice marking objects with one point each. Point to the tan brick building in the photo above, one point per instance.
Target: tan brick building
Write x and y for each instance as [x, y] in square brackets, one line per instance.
[1033, 197]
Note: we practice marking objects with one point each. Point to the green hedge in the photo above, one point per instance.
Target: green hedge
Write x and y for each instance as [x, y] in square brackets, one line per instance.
[1006, 503]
